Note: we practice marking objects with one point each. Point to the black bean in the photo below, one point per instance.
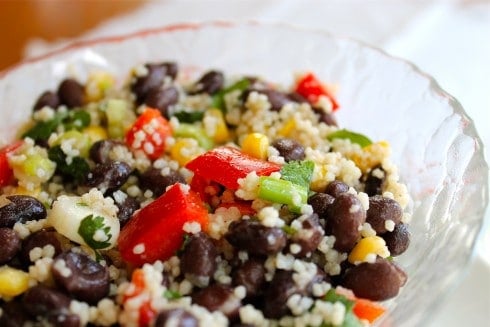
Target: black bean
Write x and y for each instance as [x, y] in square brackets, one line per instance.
[100, 150]
[153, 180]
[109, 176]
[309, 236]
[336, 188]
[210, 83]
[47, 99]
[373, 185]
[22, 208]
[344, 218]
[280, 289]
[126, 209]
[382, 209]
[172, 69]
[250, 235]
[162, 99]
[71, 93]
[398, 240]
[39, 240]
[41, 300]
[218, 298]
[177, 318]
[198, 260]
[251, 275]
[320, 203]
[13, 314]
[87, 279]
[64, 319]
[276, 99]
[296, 97]
[376, 281]
[289, 149]
[325, 117]
[10, 244]
[152, 80]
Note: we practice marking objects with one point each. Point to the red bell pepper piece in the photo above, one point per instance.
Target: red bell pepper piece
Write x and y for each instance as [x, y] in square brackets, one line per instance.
[310, 87]
[363, 308]
[204, 187]
[146, 314]
[155, 232]
[6, 173]
[225, 165]
[148, 133]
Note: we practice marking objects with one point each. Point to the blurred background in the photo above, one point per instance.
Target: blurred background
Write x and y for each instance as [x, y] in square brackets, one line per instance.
[448, 39]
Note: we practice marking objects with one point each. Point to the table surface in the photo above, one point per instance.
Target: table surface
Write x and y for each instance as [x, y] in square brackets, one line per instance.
[448, 39]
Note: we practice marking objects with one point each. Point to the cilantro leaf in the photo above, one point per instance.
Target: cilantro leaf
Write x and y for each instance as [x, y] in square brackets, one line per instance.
[76, 170]
[171, 295]
[298, 172]
[75, 119]
[43, 129]
[218, 100]
[360, 139]
[89, 227]
[189, 116]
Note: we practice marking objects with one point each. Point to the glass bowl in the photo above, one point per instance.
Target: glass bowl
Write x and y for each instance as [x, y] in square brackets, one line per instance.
[434, 143]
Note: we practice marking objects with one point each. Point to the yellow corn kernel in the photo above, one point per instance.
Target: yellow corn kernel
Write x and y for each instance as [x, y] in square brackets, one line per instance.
[95, 133]
[184, 150]
[287, 128]
[215, 125]
[13, 281]
[372, 155]
[256, 145]
[97, 85]
[369, 245]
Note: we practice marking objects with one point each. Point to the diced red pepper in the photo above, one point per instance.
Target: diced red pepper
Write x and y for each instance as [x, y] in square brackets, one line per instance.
[155, 232]
[149, 133]
[368, 310]
[363, 308]
[204, 187]
[6, 172]
[146, 314]
[225, 165]
[138, 280]
[310, 87]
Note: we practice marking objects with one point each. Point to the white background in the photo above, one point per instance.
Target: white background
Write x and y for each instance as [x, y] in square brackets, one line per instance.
[450, 40]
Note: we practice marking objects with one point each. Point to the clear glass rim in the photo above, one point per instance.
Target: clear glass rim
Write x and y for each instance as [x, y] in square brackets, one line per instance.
[433, 86]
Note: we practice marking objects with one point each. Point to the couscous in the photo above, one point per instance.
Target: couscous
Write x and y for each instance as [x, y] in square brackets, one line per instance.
[225, 201]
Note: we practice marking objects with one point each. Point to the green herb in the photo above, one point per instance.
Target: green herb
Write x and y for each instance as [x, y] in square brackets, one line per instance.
[89, 227]
[360, 139]
[171, 295]
[75, 119]
[82, 204]
[189, 116]
[218, 100]
[77, 170]
[350, 319]
[43, 129]
[298, 172]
